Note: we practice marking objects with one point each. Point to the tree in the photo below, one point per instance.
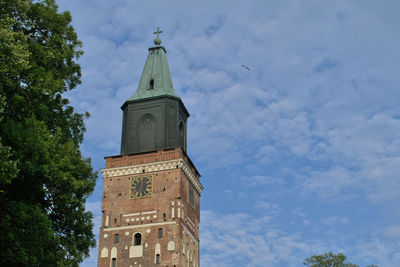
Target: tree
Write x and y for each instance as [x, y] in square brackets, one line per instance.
[44, 180]
[329, 260]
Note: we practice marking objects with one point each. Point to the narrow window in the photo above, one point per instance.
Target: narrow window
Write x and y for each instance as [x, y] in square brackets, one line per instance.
[151, 84]
[158, 258]
[181, 135]
[116, 238]
[191, 194]
[159, 232]
[137, 239]
[114, 262]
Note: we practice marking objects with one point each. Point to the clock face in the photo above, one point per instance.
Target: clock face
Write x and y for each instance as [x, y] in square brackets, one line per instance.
[141, 186]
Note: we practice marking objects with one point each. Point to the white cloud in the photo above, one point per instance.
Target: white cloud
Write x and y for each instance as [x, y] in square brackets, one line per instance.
[229, 239]
[268, 208]
[333, 220]
[241, 239]
[392, 232]
[374, 251]
[315, 121]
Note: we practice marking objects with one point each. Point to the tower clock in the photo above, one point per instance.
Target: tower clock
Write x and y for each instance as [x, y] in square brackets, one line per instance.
[141, 186]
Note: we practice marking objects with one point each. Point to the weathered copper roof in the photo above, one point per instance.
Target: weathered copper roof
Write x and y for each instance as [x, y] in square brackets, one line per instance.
[156, 78]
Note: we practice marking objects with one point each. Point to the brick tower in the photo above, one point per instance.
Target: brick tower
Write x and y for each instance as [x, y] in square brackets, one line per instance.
[151, 192]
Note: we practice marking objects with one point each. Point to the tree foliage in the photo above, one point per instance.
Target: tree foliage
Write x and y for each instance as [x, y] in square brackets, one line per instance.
[44, 180]
[329, 260]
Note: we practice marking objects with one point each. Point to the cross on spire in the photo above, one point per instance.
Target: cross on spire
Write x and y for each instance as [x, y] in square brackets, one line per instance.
[157, 40]
[158, 31]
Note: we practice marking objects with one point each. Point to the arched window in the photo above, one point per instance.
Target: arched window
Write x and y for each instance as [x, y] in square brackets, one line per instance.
[157, 258]
[152, 84]
[181, 132]
[182, 135]
[159, 232]
[146, 134]
[137, 239]
[114, 262]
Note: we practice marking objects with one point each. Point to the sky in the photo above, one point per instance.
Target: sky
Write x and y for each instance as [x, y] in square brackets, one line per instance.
[299, 155]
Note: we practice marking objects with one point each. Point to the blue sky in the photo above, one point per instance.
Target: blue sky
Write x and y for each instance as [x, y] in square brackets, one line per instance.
[300, 154]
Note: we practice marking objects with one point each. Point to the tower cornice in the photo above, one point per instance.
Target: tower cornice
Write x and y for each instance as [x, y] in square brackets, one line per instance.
[153, 167]
[157, 97]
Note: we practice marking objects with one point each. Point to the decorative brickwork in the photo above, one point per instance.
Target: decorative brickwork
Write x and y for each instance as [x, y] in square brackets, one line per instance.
[168, 209]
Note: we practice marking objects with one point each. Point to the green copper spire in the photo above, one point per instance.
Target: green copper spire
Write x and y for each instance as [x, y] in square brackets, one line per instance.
[154, 118]
[156, 78]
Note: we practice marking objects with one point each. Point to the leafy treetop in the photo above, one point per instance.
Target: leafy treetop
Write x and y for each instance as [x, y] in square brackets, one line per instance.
[44, 180]
[329, 260]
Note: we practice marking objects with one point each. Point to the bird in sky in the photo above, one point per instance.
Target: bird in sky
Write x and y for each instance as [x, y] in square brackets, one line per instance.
[244, 66]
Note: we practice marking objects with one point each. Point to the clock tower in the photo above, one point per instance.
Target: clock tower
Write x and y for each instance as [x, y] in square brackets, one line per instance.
[151, 191]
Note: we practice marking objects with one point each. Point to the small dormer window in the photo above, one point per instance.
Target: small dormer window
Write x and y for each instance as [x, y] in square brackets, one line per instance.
[152, 84]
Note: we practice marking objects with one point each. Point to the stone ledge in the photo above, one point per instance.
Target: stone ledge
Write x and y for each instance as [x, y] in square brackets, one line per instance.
[155, 166]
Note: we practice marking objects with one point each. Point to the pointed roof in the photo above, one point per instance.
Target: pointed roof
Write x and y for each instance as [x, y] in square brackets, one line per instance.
[156, 78]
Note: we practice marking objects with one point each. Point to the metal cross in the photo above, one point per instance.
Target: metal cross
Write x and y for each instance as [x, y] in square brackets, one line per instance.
[157, 32]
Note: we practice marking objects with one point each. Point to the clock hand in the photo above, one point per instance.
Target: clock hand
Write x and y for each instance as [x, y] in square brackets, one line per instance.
[141, 188]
